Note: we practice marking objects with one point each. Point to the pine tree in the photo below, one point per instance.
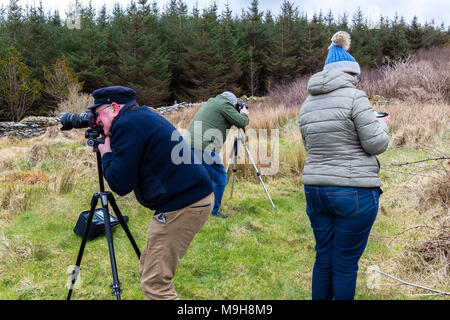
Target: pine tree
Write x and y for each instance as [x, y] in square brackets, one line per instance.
[256, 44]
[206, 70]
[86, 49]
[285, 64]
[314, 50]
[14, 23]
[38, 43]
[176, 32]
[414, 34]
[229, 54]
[141, 57]
[361, 38]
[396, 44]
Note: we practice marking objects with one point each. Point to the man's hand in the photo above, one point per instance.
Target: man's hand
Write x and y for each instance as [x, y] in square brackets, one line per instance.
[105, 147]
[244, 111]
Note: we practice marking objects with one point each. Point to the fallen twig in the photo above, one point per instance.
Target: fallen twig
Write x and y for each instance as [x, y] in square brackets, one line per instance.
[412, 162]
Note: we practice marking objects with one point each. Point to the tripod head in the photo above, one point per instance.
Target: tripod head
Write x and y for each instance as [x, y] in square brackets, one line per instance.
[93, 136]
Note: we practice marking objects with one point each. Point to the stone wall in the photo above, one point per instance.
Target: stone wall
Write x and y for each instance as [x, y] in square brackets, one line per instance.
[176, 107]
[28, 127]
[35, 126]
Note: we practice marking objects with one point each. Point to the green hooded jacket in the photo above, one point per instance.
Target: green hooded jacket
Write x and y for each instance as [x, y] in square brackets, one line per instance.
[208, 129]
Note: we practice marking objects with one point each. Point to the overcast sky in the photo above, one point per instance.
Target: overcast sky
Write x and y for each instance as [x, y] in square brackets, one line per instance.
[425, 10]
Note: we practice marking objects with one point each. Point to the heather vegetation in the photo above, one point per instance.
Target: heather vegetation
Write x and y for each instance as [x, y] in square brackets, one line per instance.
[184, 54]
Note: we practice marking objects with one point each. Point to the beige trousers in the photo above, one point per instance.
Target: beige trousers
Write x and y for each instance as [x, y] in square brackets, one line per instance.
[167, 242]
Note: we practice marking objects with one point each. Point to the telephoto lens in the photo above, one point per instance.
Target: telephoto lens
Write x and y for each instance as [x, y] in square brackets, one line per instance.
[77, 120]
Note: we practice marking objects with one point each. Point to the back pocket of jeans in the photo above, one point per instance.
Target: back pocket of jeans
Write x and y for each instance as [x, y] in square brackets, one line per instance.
[344, 203]
[309, 205]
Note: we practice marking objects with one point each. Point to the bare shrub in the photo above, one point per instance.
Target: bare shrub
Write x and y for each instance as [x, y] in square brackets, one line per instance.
[76, 102]
[435, 248]
[434, 190]
[289, 95]
[415, 79]
[438, 56]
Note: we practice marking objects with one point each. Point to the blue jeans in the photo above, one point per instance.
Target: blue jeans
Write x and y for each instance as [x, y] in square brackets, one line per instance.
[341, 219]
[213, 163]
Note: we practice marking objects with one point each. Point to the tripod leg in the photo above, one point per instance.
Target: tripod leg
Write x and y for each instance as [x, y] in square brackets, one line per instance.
[115, 286]
[231, 156]
[258, 173]
[75, 272]
[123, 223]
[235, 148]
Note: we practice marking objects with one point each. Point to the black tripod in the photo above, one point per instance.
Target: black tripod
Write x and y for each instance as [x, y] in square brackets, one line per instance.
[105, 196]
[234, 153]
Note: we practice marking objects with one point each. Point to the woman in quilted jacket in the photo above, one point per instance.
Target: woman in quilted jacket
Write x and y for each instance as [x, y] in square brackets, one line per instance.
[342, 136]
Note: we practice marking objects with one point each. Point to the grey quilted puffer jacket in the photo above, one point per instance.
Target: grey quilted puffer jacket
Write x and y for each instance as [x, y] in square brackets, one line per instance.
[341, 133]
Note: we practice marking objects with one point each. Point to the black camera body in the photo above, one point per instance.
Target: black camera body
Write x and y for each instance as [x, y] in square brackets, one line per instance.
[240, 105]
[84, 120]
[78, 120]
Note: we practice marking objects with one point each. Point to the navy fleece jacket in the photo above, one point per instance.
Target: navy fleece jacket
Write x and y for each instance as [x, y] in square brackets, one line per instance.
[141, 143]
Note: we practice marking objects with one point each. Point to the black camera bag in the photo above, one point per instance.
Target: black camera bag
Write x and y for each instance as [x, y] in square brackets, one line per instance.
[97, 227]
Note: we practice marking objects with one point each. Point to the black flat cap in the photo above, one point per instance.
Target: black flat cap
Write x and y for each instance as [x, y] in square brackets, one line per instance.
[117, 94]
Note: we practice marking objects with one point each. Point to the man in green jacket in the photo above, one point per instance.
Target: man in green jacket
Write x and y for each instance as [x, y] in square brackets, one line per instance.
[208, 131]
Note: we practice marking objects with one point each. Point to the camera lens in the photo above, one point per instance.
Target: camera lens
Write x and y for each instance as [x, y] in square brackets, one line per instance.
[75, 120]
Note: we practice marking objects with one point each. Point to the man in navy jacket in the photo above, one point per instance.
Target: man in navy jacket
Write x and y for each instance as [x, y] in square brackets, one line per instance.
[137, 156]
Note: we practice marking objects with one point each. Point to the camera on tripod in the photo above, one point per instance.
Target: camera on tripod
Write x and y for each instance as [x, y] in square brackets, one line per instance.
[71, 121]
[78, 120]
[240, 105]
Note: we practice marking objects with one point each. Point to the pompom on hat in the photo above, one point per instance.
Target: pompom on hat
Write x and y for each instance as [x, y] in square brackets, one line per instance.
[338, 56]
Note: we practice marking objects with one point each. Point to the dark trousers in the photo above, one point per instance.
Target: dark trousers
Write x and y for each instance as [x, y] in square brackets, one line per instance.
[341, 219]
[213, 163]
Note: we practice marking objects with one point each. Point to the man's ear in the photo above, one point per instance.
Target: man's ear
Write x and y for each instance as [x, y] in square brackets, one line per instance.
[116, 107]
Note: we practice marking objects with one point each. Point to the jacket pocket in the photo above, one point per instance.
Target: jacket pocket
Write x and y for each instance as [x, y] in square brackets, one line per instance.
[344, 203]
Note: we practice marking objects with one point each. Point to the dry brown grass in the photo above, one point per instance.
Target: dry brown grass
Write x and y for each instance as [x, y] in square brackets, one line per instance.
[13, 250]
[414, 124]
[40, 166]
[24, 177]
[182, 118]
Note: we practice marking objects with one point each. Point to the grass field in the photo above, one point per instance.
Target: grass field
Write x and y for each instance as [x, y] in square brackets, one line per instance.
[258, 253]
